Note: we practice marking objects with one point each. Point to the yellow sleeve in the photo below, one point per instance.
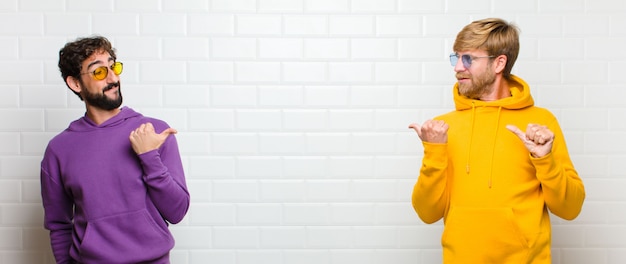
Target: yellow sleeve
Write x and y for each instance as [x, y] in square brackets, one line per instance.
[563, 189]
[430, 193]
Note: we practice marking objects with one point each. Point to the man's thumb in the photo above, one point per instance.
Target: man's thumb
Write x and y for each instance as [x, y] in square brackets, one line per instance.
[416, 127]
[169, 131]
[516, 131]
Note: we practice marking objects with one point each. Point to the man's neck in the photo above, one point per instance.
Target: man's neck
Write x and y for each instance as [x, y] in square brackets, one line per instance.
[100, 116]
[500, 90]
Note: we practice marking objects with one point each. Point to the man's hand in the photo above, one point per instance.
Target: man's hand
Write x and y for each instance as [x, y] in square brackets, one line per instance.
[537, 139]
[432, 131]
[144, 138]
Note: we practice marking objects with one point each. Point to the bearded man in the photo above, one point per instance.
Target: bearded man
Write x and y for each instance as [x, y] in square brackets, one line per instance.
[113, 181]
[492, 183]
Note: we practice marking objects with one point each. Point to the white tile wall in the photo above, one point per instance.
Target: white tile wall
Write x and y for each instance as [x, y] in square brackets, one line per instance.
[293, 114]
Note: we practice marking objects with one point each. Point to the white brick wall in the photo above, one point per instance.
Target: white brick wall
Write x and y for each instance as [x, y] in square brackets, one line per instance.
[293, 117]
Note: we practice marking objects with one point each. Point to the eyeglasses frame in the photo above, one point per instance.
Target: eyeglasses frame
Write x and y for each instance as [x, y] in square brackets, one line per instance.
[106, 69]
[467, 59]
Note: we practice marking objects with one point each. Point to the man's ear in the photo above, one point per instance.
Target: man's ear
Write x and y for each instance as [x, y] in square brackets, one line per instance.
[500, 63]
[73, 84]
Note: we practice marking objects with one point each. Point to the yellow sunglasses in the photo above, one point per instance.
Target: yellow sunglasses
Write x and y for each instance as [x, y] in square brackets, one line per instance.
[102, 72]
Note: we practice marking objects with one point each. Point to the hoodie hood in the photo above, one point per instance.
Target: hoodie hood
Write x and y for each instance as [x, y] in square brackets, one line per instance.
[520, 97]
[86, 124]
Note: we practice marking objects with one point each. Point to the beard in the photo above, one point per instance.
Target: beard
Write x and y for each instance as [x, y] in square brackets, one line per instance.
[100, 100]
[478, 85]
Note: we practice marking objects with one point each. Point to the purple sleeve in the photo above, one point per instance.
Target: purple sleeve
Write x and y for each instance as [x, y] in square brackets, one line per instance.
[165, 178]
[58, 210]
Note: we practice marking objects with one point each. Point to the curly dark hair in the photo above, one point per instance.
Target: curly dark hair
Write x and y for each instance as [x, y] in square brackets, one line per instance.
[73, 54]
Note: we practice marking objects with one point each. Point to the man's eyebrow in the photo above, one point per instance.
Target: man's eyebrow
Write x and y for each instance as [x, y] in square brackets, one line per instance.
[98, 62]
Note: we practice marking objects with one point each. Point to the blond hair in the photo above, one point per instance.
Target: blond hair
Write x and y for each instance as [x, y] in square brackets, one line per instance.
[493, 35]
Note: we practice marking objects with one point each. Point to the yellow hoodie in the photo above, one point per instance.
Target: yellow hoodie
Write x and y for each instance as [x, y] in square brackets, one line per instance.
[493, 196]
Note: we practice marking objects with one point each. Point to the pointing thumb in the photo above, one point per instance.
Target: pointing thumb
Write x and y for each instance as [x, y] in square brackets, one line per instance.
[169, 131]
[417, 128]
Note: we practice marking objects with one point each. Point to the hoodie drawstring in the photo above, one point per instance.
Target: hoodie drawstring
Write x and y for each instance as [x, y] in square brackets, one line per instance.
[493, 145]
[469, 151]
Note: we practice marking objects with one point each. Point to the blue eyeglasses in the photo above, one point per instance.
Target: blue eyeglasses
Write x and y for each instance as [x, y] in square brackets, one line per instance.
[465, 58]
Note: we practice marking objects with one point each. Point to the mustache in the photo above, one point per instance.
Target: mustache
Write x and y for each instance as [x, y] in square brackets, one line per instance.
[463, 76]
[111, 86]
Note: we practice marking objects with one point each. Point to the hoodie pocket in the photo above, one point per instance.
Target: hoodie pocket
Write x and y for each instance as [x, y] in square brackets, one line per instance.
[483, 235]
[124, 238]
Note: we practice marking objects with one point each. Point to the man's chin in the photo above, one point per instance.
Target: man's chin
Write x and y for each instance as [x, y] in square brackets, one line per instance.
[469, 93]
[464, 89]
[107, 105]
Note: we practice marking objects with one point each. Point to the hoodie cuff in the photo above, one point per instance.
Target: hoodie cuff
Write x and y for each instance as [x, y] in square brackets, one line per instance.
[435, 154]
[151, 163]
[545, 166]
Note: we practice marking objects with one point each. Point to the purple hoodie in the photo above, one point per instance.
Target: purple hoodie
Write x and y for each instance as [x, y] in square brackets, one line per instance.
[105, 204]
